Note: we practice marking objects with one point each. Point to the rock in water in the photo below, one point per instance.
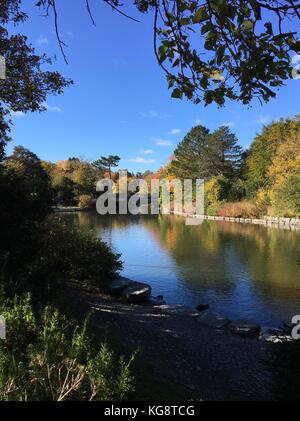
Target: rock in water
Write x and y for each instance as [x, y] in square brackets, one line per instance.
[214, 320]
[202, 307]
[245, 329]
[137, 292]
[158, 301]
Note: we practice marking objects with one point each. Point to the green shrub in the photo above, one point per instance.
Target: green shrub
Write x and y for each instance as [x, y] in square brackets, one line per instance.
[49, 359]
[59, 254]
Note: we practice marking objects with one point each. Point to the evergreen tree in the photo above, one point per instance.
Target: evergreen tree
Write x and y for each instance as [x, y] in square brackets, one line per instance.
[204, 155]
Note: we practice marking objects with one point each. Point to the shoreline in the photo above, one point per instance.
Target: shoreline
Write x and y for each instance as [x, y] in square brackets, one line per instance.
[267, 221]
[177, 349]
[140, 294]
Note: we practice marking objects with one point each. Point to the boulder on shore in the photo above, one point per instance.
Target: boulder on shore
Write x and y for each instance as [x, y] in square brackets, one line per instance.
[177, 310]
[116, 287]
[136, 292]
[245, 329]
[274, 335]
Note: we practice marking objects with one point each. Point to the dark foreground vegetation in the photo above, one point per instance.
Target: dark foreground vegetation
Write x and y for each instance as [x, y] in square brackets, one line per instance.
[45, 357]
[245, 56]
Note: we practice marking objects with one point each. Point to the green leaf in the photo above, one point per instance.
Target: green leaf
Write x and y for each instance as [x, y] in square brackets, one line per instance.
[200, 15]
[177, 93]
[247, 25]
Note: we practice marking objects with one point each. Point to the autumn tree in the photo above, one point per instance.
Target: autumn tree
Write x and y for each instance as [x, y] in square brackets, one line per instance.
[263, 150]
[105, 164]
[215, 50]
[85, 176]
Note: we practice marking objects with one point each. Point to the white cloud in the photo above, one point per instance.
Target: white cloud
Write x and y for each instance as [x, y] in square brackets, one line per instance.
[228, 124]
[140, 160]
[198, 122]
[52, 108]
[174, 131]
[154, 114]
[163, 142]
[264, 119]
[147, 152]
[42, 40]
[17, 113]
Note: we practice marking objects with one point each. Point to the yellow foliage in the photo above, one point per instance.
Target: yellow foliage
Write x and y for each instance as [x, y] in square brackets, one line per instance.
[286, 160]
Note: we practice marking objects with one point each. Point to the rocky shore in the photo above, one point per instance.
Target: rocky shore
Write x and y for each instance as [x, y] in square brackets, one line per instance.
[269, 221]
[133, 292]
[198, 351]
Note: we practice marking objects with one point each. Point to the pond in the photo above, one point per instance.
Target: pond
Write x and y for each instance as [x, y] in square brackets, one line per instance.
[245, 272]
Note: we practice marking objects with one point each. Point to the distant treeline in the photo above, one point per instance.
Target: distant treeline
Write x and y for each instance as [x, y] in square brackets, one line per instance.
[263, 180]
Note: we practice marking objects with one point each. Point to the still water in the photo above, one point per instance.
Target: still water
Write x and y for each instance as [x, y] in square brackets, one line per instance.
[245, 272]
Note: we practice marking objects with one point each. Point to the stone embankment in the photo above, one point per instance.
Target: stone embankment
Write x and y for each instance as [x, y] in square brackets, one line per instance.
[270, 221]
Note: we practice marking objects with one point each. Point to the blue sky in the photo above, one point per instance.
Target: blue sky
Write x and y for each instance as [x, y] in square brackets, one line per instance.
[119, 103]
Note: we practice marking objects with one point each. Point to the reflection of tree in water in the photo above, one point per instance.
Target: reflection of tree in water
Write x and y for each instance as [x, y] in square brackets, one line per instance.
[215, 253]
[196, 250]
[269, 253]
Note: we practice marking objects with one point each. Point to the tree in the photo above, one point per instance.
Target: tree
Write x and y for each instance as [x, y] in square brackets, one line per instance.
[203, 155]
[85, 176]
[25, 168]
[25, 201]
[286, 196]
[228, 157]
[263, 150]
[63, 191]
[191, 155]
[26, 85]
[107, 163]
[215, 50]
[244, 51]
[286, 160]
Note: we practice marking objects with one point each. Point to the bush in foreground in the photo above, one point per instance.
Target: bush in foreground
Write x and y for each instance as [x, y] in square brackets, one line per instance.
[59, 254]
[48, 359]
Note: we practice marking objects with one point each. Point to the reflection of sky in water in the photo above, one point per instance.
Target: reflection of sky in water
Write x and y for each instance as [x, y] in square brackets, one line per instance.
[243, 271]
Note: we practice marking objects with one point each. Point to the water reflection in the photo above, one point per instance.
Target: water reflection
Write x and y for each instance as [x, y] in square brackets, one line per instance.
[244, 271]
